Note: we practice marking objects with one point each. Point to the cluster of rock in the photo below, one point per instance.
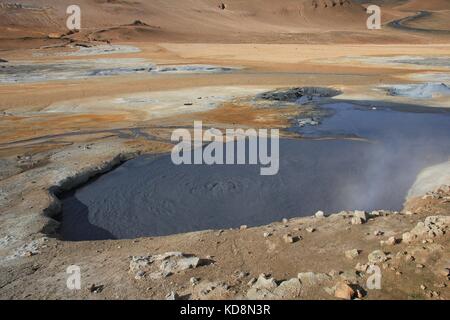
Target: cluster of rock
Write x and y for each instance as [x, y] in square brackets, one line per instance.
[299, 95]
[333, 3]
[361, 217]
[441, 192]
[163, 265]
[267, 288]
[433, 226]
[348, 284]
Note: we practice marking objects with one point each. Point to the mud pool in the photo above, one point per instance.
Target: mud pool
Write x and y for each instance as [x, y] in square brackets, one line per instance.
[31, 71]
[356, 158]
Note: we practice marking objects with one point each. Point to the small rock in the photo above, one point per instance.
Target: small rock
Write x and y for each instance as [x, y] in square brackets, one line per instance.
[344, 291]
[377, 256]
[352, 254]
[357, 220]
[251, 282]
[378, 233]
[194, 281]
[391, 241]
[172, 296]
[420, 266]
[409, 258]
[289, 239]
[445, 272]
[96, 289]
[54, 35]
[320, 214]
[240, 274]
[267, 234]
[423, 287]
[310, 229]
[139, 275]
[285, 220]
[375, 213]
[243, 227]
[408, 237]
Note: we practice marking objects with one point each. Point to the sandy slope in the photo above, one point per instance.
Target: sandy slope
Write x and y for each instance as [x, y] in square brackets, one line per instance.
[301, 21]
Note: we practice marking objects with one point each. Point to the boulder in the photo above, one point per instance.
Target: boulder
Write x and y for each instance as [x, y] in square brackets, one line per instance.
[264, 282]
[163, 265]
[181, 264]
[289, 289]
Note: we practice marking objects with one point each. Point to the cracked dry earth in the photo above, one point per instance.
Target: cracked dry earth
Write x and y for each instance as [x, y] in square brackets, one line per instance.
[318, 257]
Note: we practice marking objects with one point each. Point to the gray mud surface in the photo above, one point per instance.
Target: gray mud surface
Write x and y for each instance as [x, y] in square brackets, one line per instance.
[150, 196]
[29, 71]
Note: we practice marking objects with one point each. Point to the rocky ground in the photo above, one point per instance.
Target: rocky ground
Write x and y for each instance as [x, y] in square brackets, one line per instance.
[319, 257]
